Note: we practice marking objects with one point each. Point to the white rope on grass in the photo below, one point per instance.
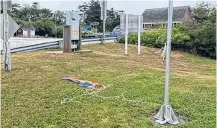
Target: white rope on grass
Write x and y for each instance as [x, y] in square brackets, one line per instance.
[88, 91]
[94, 93]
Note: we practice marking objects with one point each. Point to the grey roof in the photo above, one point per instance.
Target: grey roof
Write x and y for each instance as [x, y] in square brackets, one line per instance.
[161, 14]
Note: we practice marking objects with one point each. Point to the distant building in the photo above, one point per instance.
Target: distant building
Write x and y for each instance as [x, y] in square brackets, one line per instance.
[28, 32]
[159, 16]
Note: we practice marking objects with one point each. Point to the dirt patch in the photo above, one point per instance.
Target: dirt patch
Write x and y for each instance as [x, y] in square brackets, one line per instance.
[102, 53]
[177, 54]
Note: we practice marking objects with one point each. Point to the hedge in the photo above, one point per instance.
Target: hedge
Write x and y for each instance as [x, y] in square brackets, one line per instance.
[198, 39]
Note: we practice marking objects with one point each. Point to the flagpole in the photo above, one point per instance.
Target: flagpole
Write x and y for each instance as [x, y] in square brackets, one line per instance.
[166, 114]
[139, 20]
[126, 34]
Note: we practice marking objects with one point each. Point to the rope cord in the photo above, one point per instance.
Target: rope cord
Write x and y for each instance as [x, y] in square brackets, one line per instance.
[162, 51]
[93, 92]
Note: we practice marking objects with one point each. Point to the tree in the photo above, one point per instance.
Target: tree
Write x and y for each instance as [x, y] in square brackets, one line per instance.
[84, 8]
[60, 31]
[15, 7]
[113, 19]
[203, 12]
[35, 5]
[203, 39]
[92, 12]
[45, 13]
[44, 26]
[59, 17]
[41, 18]
[203, 33]
[33, 13]
[15, 11]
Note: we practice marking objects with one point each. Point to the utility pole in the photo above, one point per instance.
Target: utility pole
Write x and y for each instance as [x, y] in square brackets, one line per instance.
[6, 44]
[166, 114]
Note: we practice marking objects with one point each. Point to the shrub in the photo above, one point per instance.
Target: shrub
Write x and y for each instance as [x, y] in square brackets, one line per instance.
[200, 39]
[122, 39]
[43, 27]
[149, 37]
[203, 39]
[157, 37]
[60, 31]
[133, 38]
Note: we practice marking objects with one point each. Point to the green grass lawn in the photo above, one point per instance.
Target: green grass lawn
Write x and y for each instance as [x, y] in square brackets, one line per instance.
[32, 91]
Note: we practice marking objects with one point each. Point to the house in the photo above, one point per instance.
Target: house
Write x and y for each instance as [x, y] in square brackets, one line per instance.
[159, 16]
[28, 32]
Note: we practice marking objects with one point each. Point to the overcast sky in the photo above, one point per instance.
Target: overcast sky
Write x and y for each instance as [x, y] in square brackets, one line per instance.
[129, 6]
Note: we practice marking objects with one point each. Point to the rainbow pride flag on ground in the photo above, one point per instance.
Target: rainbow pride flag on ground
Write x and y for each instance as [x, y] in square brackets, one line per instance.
[83, 83]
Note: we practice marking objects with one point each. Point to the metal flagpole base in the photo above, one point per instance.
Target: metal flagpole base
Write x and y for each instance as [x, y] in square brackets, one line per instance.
[166, 115]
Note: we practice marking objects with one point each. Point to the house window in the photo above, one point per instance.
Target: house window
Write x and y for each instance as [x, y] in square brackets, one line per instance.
[143, 25]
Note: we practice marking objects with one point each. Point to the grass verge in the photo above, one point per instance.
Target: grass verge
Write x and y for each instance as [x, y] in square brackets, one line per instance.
[32, 91]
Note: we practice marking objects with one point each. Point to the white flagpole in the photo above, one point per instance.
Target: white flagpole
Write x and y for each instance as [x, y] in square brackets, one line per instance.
[166, 114]
[126, 33]
[168, 51]
[139, 35]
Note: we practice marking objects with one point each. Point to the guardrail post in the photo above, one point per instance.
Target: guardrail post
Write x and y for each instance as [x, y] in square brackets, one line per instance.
[79, 42]
[118, 39]
[67, 39]
[101, 38]
[61, 44]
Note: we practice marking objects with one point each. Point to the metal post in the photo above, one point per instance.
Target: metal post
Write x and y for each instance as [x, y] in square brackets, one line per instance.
[55, 25]
[126, 33]
[6, 44]
[79, 42]
[103, 31]
[67, 39]
[166, 114]
[104, 18]
[167, 75]
[139, 35]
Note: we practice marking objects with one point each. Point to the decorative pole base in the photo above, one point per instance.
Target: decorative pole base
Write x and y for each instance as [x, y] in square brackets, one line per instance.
[166, 115]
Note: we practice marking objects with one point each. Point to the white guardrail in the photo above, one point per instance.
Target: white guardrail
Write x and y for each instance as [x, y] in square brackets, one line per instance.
[31, 44]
